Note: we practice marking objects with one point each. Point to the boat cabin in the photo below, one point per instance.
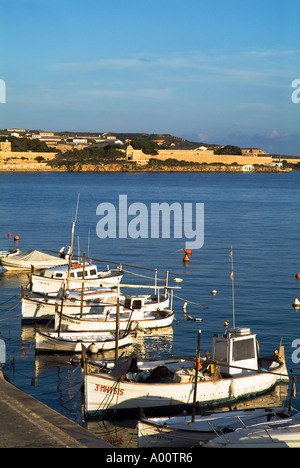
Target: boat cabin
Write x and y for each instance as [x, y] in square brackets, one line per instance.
[235, 351]
[90, 272]
[138, 302]
[94, 295]
[134, 303]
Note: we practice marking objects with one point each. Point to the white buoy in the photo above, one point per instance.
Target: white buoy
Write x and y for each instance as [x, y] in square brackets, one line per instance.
[296, 302]
[213, 292]
[93, 348]
[184, 306]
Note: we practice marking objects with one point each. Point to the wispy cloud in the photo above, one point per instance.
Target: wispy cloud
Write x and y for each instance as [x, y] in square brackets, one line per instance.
[271, 53]
[242, 66]
[127, 63]
[130, 94]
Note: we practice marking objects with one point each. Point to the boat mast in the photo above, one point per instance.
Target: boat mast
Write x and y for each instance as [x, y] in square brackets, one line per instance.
[197, 365]
[72, 242]
[117, 323]
[232, 286]
[82, 286]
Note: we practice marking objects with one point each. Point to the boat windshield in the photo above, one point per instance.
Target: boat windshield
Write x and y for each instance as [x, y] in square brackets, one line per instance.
[220, 351]
[243, 349]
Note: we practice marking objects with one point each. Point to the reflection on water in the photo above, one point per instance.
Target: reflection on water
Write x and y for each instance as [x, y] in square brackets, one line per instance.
[257, 215]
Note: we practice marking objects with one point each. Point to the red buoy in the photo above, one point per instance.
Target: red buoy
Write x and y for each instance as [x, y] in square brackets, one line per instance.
[9, 234]
[16, 238]
[298, 275]
[186, 258]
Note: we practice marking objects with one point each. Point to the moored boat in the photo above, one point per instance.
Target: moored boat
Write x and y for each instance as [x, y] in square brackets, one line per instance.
[52, 280]
[33, 259]
[41, 306]
[273, 434]
[72, 342]
[94, 301]
[239, 373]
[9, 253]
[187, 431]
[159, 318]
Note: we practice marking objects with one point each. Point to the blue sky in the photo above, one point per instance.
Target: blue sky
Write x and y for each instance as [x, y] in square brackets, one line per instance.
[215, 72]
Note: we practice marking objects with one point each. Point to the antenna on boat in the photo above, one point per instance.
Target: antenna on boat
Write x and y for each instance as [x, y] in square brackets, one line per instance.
[77, 207]
[72, 237]
[232, 283]
[89, 242]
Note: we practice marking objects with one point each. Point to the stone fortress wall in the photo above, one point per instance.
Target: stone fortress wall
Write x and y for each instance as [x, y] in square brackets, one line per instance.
[26, 161]
[197, 156]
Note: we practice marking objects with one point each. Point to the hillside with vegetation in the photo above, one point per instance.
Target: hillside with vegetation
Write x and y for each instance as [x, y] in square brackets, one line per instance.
[24, 144]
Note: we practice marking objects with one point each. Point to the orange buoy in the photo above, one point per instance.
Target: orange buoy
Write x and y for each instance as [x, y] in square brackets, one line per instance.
[9, 234]
[16, 238]
[298, 275]
[186, 258]
[188, 252]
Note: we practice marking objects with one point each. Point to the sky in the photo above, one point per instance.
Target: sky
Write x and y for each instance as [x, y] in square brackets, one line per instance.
[218, 72]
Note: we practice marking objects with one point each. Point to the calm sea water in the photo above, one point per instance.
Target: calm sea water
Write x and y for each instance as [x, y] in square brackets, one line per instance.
[256, 214]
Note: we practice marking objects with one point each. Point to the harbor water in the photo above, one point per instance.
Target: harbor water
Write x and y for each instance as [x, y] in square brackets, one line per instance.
[257, 214]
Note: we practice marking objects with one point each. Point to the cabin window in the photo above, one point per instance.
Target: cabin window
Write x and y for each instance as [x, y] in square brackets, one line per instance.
[72, 275]
[58, 275]
[137, 304]
[79, 274]
[93, 272]
[221, 351]
[127, 303]
[243, 349]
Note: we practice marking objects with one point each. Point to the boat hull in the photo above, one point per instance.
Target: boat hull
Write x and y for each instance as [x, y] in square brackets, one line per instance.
[277, 435]
[10, 263]
[181, 431]
[72, 342]
[36, 307]
[152, 436]
[150, 320]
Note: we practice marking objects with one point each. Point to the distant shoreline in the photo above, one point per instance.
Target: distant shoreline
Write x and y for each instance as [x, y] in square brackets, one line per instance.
[111, 168]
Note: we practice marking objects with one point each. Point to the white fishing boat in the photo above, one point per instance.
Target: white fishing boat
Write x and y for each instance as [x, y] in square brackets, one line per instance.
[240, 372]
[274, 434]
[187, 431]
[72, 342]
[33, 259]
[40, 306]
[52, 280]
[159, 318]
[91, 303]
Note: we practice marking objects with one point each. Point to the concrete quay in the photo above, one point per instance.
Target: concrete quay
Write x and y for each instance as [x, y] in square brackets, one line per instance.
[27, 423]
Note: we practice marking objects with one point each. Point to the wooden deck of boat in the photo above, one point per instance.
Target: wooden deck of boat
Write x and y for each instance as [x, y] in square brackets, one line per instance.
[27, 423]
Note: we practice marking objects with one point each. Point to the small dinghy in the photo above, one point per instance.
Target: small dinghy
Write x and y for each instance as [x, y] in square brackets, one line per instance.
[9, 253]
[68, 342]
